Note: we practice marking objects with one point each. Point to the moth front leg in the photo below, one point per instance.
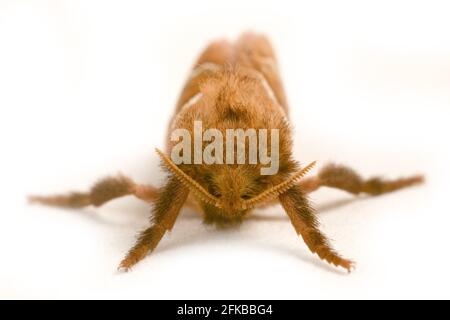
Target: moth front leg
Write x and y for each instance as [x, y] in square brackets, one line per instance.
[104, 190]
[305, 223]
[345, 178]
[168, 204]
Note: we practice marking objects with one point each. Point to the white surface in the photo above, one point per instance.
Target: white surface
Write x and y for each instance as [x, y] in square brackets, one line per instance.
[87, 88]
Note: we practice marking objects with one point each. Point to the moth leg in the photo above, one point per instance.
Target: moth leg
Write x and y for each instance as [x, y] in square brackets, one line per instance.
[344, 178]
[106, 189]
[164, 213]
[305, 223]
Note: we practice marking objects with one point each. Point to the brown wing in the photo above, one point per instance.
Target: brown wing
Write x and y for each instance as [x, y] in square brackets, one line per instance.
[255, 51]
[251, 50]
[218, 53]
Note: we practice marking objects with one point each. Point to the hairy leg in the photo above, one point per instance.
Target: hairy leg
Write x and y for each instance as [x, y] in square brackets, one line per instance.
[344, 178]
[103, 191]
[165, 211]
[305, 223]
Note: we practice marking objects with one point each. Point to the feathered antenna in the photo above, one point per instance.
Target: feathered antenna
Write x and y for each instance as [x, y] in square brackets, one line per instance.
[188, 181]
[275, 191]
[204, 195]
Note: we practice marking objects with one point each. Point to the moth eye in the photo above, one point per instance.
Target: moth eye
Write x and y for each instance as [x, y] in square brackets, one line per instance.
[214, 192]
[245, 196]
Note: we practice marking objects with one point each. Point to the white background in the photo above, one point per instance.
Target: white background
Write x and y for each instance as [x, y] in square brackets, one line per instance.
[87, 88]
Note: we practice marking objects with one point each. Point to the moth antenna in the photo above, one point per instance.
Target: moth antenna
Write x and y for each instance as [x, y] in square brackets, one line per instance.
[280, 188]
[188, 181]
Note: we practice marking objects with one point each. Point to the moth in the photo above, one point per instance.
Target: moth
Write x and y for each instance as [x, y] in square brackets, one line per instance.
[233, 85]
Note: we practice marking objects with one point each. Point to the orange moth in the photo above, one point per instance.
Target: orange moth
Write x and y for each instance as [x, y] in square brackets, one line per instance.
[234, 93]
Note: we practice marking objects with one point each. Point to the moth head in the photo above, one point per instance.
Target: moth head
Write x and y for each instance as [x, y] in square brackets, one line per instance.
[232, 198]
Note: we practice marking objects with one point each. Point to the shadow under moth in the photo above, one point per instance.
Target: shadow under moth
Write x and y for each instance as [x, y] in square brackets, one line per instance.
[233, 86]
